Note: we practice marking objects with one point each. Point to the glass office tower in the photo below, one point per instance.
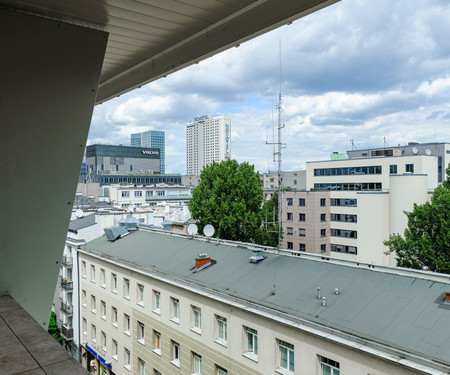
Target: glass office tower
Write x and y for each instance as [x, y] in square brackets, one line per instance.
[153, 139]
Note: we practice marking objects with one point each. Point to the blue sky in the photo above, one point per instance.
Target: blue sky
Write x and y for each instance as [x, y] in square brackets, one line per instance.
[358, 70]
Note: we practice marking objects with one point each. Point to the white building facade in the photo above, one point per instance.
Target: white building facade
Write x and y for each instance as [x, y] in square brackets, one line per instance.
[208, 139]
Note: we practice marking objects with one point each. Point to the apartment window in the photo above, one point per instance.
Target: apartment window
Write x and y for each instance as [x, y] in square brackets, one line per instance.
[290, 231]
[140, 295]
[156, 301]
[125, 193]
[126, 324]
[323, 202]
[84, 327]
[103, 343]
[114, 283]
[290, 245]
[127, 359]
[344, 249]
[196, 324]
[301, 202]
[290, 201]
[114, 316]
[301, 217]
[323, 248]
[344, 233]
[323, 233]
[103, 310]
[289, 216]
[221, 371]
[344, 217]
[328, 366]
[141, 332]
[83, 298]
[93, 273]
[286, 355]
[175, 313]
[175, 354]
[221, 329]
[102, 278]
[343, 202]
[251, 342]
[115, 350]
[93, 303]
[83, 268]
[157, 342]
[409, 168]
[197, 363]
[141, 367]
[393, 169]
[301, 232]
[93, 333]
[302, 247]
[126, 288]
[323, 217]
[138, 193]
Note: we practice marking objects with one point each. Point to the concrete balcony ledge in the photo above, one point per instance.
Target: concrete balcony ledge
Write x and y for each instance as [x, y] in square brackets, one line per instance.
[25, 348]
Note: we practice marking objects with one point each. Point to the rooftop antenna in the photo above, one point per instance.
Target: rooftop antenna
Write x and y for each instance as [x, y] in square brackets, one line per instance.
[384, 141]
[353, 144]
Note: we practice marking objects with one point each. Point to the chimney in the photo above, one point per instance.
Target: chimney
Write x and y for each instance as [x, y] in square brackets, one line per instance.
[202, 261]
[447, 298]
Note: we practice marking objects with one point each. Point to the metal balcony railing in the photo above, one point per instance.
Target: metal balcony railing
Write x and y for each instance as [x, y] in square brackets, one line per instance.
[67, 332]
[66, 308]
[66, 284]
[67, 261]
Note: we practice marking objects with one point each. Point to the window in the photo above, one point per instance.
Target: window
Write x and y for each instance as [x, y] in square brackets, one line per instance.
[290, 245]
[175, 354]
[286, 355]
[301, 202]
[126, 288]
[141, 367]
[141, 333]
[301, 232]
[114, 316]
[196, 324]
[323, 233]
[83, 269]
[157, 342]
[290, 231]
[344, 217]
[393, 169]
[289, 216]
[409, 168]
[221, 371]
[103, 310]
[125, 193]
[290, 201]
[344, 233]
[175, 313]
[301, 217]
[126, 324]
[140, 296]
[302, 247]
[323, 202]
[343, 202]
[93, 303]
[93, 333]
[103, 343]
[328, 366]
[114, 283]
[221, 329]
[138, 193]
[251, 342]
[83, 298]
[84, 327]
[93, 273]
[115, 350]
[127, 359]
[156, 301]
[323, 217]
[102, 278]
[323, 248]
[344, 249]
[197, 363]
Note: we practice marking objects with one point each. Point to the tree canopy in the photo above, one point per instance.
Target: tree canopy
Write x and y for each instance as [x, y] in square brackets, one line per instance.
[53, 327]
[426, 241]
[229, 198]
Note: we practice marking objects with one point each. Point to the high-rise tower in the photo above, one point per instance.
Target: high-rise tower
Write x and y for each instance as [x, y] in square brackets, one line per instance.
[153, 139]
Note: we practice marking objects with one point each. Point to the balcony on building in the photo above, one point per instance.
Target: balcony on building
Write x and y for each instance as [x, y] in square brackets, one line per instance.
[67, 261]
[66, 332]
[66, 309]
[66, 284]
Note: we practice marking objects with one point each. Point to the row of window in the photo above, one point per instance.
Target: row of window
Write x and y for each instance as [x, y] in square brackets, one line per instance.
[344, 233]
[302, 217]
[375, 186]
[377, 169]
[302, 232]
[344, 249]
[302, 247]
[302, 202]
[344, 218]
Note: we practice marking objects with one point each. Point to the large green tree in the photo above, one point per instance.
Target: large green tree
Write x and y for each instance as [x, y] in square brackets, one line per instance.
[229, 198]
[426, 241]
[269, 234]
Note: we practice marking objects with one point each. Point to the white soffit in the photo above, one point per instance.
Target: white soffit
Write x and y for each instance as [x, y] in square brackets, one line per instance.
[149, 39]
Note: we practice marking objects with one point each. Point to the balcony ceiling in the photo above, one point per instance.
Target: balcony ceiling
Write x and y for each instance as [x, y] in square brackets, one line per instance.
[149, 39]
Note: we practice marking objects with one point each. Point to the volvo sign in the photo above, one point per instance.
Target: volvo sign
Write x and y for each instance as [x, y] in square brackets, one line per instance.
[150, 152]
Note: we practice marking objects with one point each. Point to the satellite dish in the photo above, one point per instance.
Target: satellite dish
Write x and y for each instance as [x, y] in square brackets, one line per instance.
[208, 230]
[192, 229]
[428, 151]
[79, 213]
[415, 150]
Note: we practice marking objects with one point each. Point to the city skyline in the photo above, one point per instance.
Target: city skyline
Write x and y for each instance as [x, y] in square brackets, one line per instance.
[360, 71]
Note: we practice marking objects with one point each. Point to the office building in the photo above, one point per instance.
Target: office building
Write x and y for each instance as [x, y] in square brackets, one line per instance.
[152, 139]
[166, 303]
[111, 159]
[208, 139]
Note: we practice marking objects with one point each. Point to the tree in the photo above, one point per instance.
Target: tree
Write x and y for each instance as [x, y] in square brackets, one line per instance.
[229, 198]
[426, 241]
[269, 235]
[53, 327]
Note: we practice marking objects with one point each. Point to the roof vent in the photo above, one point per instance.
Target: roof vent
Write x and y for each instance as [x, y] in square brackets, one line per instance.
[167, 224]
[447, 298]
[202, 261]
[113, 233]
[130, 223]
[257, 255]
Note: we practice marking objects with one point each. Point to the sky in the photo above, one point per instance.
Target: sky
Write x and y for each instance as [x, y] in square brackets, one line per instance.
[359, 73]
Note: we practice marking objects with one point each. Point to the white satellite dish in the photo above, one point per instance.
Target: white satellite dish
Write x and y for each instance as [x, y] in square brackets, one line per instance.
[428, 151]
[79, 213]
[192, 229]
[415, 150]
[208, 230]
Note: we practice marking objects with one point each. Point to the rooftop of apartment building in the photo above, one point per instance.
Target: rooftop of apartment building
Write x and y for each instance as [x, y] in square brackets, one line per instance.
[399, 311]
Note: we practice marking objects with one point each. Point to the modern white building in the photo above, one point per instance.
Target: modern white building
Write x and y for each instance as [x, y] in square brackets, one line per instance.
[208, 139]
[156, 302]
